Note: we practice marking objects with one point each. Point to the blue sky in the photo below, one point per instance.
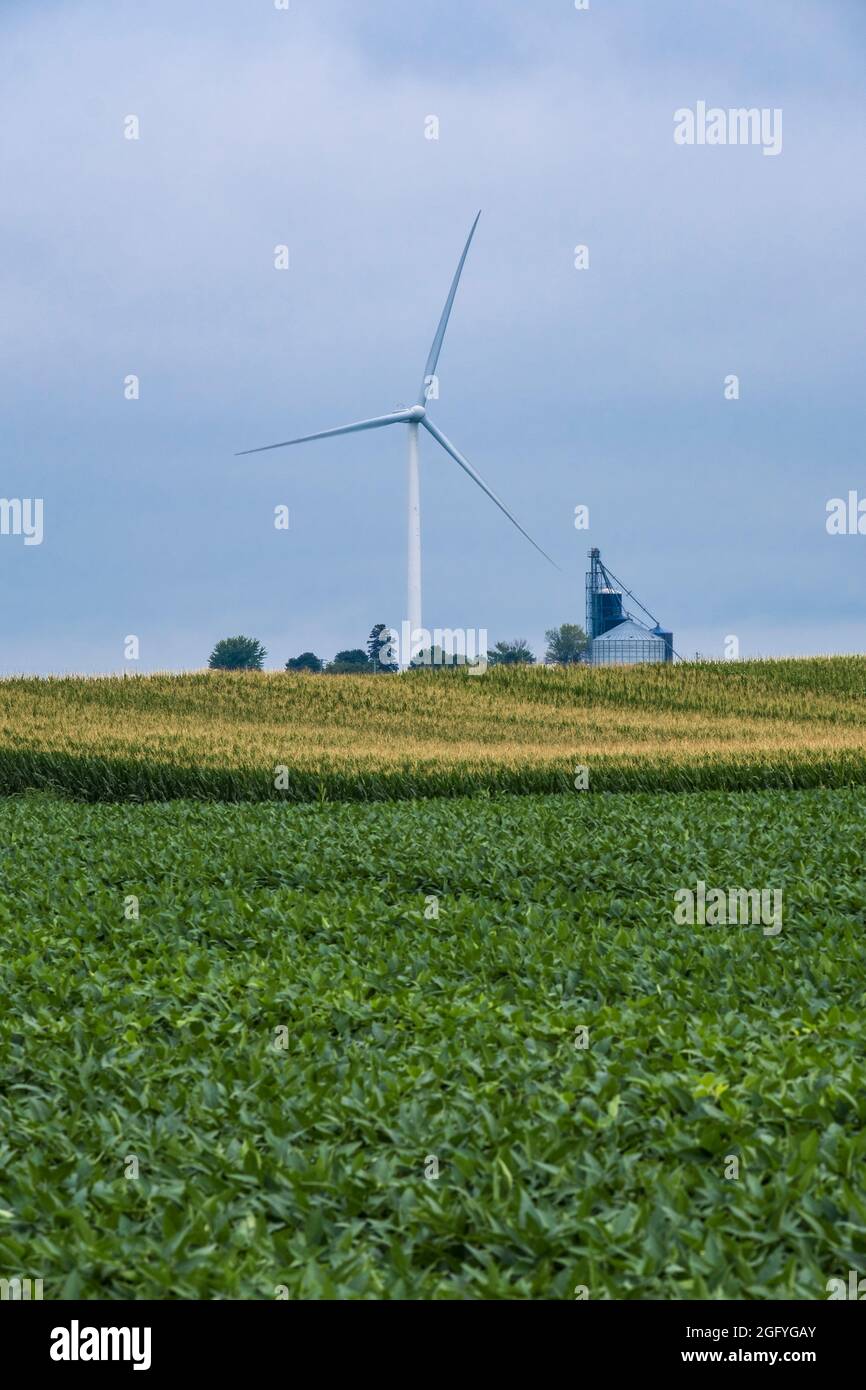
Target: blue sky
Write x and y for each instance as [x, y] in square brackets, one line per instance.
[601, 387]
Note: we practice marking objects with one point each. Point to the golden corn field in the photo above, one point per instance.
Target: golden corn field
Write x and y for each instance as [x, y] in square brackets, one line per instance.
[252, 736]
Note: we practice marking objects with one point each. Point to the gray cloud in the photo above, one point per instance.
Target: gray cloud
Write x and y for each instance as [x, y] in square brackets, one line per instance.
[602, 387]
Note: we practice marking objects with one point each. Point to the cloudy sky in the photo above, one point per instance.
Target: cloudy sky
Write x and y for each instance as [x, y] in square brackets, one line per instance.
[602, 387]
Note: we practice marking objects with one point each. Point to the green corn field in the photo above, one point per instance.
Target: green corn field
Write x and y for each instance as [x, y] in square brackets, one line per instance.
[257, 736]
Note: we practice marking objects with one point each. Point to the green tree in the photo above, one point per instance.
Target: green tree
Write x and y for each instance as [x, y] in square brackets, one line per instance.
[565, 644]
[237, 654]
[511, 653]
[353, 662]
[380, 649]
[307, 661]
[432, 658]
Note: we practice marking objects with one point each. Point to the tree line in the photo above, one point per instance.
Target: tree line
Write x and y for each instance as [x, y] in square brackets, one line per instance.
[566, 645]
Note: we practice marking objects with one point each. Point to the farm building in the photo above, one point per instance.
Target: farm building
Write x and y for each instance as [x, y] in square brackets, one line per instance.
[617, 637]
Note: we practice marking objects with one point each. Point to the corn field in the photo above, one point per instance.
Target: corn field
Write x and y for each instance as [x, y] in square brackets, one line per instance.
[259, 736]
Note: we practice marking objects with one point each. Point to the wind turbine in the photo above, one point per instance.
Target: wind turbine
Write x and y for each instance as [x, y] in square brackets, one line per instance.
[413, 416]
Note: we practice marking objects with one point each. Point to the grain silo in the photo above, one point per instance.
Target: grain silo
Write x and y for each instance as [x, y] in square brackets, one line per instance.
[617, 637]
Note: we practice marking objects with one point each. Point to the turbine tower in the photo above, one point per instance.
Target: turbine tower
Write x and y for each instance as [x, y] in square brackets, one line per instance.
[414, 416]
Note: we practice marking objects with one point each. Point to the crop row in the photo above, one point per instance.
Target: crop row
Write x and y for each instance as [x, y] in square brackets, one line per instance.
[441, 1049]
[259, 736]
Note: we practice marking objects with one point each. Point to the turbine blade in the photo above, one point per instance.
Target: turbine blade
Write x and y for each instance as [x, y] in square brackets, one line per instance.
[433, 358]
[395, 418]
[476, 477]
